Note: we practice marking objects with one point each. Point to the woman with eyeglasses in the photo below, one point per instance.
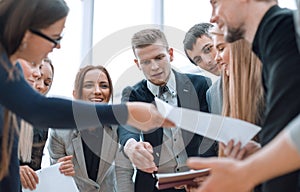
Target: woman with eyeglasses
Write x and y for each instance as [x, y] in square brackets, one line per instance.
[30, 29]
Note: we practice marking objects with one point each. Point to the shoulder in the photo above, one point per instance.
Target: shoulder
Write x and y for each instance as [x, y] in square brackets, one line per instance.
[199, 79]
[192, 77]
[136, 91]
[58, 133]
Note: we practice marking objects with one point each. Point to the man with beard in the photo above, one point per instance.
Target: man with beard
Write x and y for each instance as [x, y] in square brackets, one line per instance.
[271, 31]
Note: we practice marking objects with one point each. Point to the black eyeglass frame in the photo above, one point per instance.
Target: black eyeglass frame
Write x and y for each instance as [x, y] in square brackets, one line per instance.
[38, 33]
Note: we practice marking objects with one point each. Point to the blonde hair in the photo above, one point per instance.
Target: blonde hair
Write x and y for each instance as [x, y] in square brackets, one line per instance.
[25, 141]
[243, 95]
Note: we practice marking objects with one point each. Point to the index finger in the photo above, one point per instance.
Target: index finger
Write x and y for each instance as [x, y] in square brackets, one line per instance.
[65, 158]
[168, 123]
[201, 163]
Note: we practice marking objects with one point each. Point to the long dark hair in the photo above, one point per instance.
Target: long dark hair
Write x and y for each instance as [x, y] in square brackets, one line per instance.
[15, 18]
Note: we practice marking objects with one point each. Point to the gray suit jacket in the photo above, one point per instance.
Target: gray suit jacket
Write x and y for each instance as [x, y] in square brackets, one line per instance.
[214, 97]
[68, 142]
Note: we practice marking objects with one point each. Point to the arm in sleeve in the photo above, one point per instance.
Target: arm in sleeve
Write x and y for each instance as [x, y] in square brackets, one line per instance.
[127, 132]
[56, 147]
[41, 111]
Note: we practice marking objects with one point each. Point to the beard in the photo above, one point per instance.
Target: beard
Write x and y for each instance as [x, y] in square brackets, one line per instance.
[234, 34]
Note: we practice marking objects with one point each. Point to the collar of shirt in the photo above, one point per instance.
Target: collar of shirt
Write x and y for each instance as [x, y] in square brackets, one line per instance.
[171, 84]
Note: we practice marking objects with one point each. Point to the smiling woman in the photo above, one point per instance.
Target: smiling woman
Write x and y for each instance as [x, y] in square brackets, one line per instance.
[92, 84]
[47, 16]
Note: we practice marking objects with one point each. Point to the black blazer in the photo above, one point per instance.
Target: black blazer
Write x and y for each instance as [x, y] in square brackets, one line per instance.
[191, 93]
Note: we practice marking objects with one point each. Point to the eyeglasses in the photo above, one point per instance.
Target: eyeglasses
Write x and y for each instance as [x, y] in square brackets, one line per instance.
[38, 33]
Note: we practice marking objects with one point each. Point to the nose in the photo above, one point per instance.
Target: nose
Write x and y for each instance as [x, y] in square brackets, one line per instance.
[36, 73]
[212, 56]
[218, 57]
[154, 65]
[57, 46]
[213, 18]
[39, 86]
[97, 90]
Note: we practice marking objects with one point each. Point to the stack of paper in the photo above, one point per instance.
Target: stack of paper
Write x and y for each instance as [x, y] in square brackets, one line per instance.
[171, 180]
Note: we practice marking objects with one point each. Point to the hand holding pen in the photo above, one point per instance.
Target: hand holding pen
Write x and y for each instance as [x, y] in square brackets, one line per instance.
[141, 155]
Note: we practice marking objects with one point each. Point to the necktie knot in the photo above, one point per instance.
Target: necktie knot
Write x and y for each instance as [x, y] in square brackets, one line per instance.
[162, 89]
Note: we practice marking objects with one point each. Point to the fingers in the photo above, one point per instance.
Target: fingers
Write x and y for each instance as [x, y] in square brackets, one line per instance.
[168, 123]
[232, 150]
[65, 158]
[67, 166]
[141, 155]
[201, 163]
[145, 116]
[28, 177]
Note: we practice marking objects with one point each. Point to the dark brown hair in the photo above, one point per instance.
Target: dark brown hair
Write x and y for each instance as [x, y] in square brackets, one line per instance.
[15, 18]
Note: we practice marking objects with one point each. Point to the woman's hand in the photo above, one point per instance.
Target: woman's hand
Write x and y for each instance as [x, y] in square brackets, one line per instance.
[145, 116]
[236, 152]
[29, 178]
[67, 166]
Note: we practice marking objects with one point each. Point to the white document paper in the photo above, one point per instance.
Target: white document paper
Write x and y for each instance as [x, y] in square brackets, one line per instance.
[212, 126]
[51, 180]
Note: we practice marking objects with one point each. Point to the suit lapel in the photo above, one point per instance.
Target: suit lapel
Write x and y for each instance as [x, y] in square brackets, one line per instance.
[187, 98]
[78, 150]
[108, 151]
[183, 89]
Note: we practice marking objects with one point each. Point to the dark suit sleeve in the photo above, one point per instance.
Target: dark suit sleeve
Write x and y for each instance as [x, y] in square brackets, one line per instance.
[202, 92]
[126, 132]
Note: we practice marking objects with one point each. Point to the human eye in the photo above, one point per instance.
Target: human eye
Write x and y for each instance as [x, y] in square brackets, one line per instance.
[104, 86]
[88, 85]
[207, 49]
[213, 2]
[47, 83]
[145, 62]
[221, 48]
[160, 58]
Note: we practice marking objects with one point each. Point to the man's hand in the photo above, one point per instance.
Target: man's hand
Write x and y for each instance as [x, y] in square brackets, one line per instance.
[141, 155]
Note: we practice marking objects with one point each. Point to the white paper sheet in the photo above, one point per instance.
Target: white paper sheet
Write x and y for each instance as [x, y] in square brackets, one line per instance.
[50, 180]
[213, 126]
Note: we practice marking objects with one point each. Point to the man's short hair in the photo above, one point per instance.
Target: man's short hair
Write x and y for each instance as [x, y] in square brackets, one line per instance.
[197, 31]
[148, 37]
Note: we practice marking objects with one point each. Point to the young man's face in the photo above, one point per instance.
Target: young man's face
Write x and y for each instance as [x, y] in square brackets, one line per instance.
[154, 60]
[203, 54]
[230, 16]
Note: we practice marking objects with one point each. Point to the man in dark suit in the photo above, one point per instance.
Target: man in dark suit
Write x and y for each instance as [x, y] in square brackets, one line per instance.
[162, 150]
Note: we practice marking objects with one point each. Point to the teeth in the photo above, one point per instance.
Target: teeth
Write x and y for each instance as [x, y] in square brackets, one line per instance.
[96, 100]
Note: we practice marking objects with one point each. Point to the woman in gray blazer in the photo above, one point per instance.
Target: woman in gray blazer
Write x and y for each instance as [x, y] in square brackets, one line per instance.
[93, 152]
